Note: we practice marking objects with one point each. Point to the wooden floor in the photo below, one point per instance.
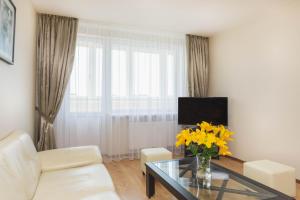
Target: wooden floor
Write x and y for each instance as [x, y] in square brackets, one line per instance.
[130, 183]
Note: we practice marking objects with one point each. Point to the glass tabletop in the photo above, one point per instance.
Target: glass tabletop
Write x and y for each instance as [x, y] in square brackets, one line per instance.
[225, 184]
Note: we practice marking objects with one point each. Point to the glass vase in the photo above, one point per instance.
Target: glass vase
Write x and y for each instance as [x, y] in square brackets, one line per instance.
[203, 169]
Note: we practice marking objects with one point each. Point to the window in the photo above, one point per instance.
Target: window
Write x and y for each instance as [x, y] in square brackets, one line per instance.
[80, 71]
[119, 73]
[146, 74]
[171, 75]
[119, 76]
[86, 80]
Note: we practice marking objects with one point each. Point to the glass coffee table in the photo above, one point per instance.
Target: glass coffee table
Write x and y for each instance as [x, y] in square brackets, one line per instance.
[178, 176]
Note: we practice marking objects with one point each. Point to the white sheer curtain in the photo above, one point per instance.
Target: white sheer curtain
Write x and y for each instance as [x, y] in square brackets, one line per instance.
[123, 91]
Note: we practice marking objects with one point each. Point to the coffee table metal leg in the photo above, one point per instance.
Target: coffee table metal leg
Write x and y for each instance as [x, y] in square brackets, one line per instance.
[150, 185]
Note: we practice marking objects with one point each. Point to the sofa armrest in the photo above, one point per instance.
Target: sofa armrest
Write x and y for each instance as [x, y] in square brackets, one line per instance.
[69, 157]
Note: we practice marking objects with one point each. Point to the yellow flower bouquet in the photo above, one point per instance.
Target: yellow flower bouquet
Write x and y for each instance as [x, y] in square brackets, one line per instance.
[210, 140]
[204, 142]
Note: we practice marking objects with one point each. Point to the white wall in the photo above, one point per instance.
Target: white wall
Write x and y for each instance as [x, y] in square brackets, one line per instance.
[17, 81]
[257, 65]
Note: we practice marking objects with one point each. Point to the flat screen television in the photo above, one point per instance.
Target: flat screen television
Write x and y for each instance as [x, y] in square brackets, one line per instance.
[193, 110]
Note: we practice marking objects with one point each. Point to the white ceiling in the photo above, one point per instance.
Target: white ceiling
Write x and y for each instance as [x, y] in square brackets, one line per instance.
[204, 17]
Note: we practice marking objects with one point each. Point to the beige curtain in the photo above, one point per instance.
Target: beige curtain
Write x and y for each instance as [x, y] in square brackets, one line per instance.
[197, 58]
[56, 43]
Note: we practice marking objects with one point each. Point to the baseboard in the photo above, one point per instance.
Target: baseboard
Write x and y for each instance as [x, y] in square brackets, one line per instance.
[236, 159]
[242, 161]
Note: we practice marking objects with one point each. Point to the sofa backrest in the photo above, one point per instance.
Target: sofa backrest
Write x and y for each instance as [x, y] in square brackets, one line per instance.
[19, 167]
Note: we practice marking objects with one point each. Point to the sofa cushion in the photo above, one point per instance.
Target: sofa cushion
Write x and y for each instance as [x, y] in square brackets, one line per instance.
[64, 158]
[19, 167]
[103, 196]
[10, 188]
[86, 182]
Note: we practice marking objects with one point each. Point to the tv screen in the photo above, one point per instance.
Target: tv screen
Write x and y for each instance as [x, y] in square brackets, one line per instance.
[193, 110]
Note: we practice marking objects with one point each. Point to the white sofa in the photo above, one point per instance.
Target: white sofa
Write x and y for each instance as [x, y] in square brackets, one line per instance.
[61, 174]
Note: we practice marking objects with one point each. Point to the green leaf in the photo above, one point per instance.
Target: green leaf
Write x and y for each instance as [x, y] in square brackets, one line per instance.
[193, 148]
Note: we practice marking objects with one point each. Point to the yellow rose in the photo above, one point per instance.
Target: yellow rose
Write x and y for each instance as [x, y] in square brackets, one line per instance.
[220, 142]
[224, 151]
[180, 141]
[181, 137]
[216, 130]
[206, 126]
[188, 140]
[201, 137]
[210, 139]
[194, 135]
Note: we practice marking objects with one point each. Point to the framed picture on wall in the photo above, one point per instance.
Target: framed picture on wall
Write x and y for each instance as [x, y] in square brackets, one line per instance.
[7, 30]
